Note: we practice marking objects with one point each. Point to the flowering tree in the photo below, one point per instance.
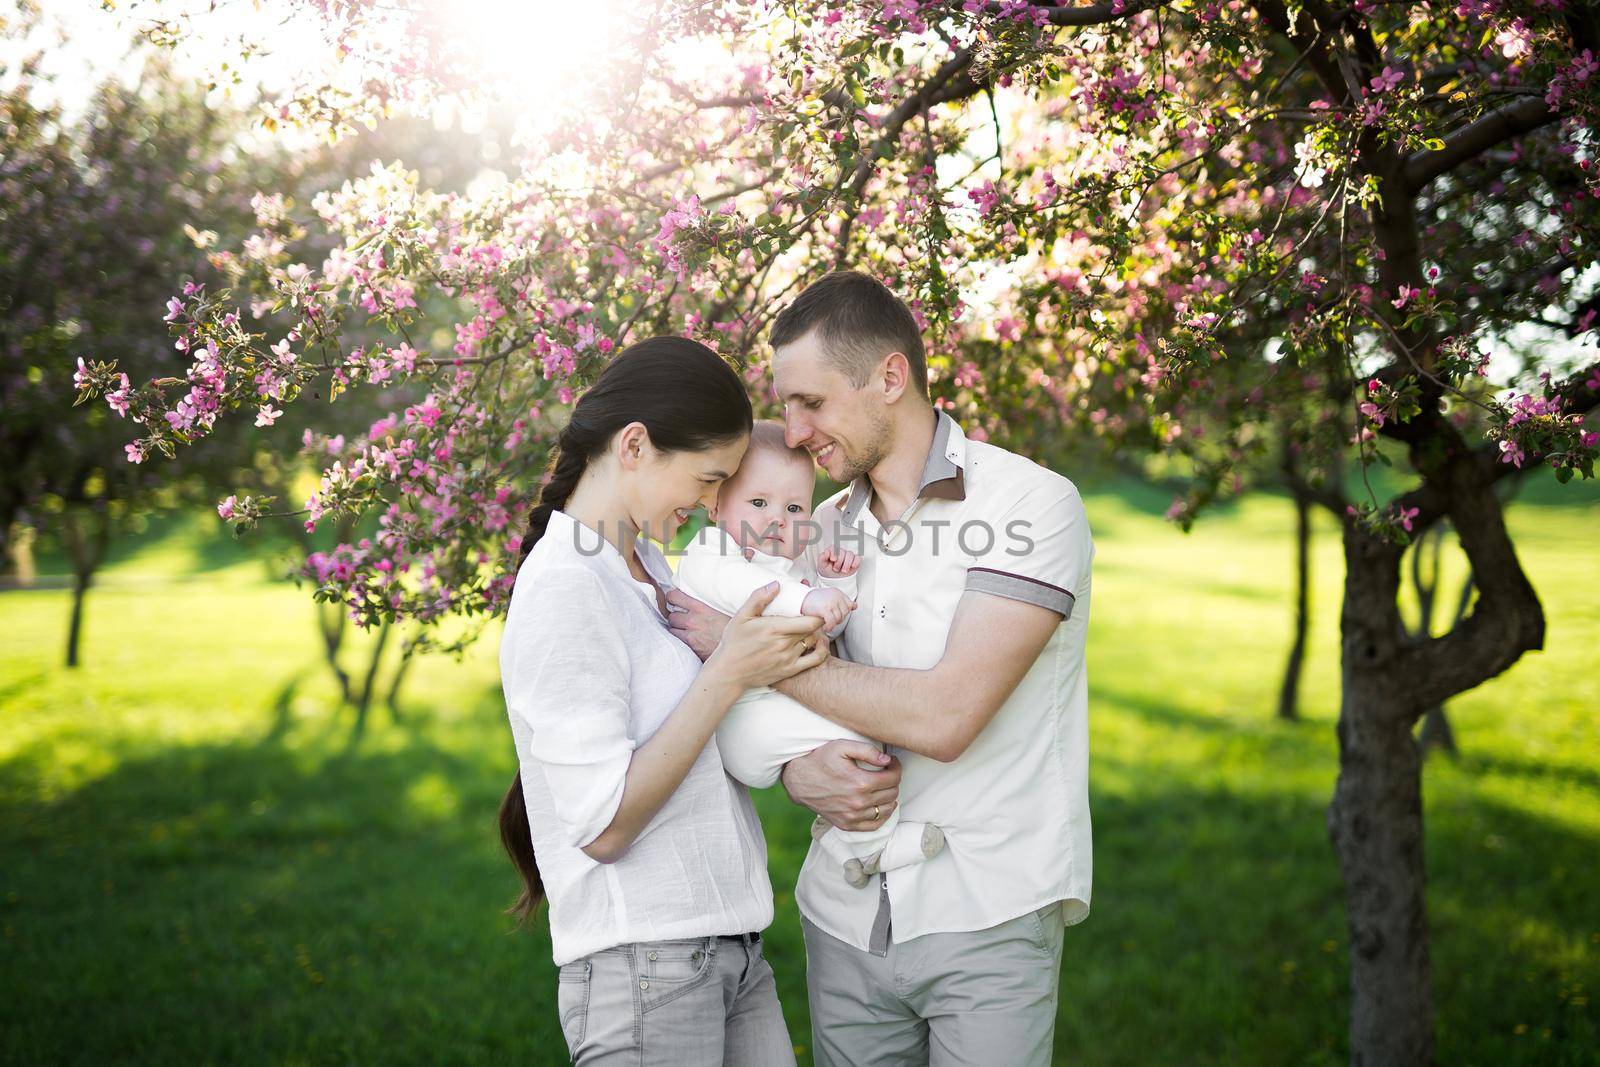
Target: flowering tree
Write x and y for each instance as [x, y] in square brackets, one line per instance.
[94, 207]
[1360, 230]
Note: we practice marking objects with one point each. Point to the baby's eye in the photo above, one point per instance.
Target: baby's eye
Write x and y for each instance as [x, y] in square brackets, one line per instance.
[758, 502]
[795, 509]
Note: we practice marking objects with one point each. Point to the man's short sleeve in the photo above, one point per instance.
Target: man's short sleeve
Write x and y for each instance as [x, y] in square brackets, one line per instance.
[570, 683]
[1040, 550]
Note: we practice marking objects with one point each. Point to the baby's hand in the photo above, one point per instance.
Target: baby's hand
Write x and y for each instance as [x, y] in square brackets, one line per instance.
[829, 605]
[833, 562]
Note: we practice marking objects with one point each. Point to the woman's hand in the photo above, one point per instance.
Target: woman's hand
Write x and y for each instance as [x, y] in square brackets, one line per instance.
[758, 651]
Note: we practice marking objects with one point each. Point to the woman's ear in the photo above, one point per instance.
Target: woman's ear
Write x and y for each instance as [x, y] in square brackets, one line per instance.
[632, 446]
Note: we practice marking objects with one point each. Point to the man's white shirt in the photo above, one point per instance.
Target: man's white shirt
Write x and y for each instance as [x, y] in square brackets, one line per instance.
[1015, 806]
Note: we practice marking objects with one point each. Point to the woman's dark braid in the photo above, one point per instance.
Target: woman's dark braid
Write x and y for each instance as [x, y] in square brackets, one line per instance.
[567, 464]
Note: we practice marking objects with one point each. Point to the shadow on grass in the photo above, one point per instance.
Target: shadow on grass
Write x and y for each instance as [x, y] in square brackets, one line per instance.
[278, 901]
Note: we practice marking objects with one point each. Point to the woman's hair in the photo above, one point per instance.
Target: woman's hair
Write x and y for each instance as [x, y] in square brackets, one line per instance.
[688, 400]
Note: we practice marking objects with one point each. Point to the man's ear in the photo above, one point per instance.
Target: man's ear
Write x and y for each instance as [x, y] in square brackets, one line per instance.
[895, 371]
[632, 446]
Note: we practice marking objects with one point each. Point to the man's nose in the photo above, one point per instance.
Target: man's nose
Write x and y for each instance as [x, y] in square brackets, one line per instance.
[795, 430]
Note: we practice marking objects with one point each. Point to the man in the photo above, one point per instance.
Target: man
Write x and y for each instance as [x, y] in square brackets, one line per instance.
[965, 655]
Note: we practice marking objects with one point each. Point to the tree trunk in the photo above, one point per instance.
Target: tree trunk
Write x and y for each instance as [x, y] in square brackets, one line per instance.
[392, 697]
[80, 590]
[330, 627]
[1436, 732]
[87, 554]
[368, 684]
[17, 563]
[1289, 695]
[1375, 820]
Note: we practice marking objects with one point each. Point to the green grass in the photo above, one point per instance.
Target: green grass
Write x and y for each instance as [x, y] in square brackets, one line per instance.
[196, 866]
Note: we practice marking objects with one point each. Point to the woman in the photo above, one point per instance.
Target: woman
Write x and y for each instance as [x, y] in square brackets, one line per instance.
[650, 855]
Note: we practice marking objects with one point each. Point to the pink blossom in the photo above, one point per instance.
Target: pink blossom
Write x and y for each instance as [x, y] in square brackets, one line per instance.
[1406, 515]
[119, 399]
[135, 452]
[1406, 293]
[1511, 452]
[267, 415]
[225, 509]
[986, 197]
[404, 358]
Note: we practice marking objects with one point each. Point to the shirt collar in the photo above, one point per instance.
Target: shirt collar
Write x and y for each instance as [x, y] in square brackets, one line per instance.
[943, 474]
[588, 542]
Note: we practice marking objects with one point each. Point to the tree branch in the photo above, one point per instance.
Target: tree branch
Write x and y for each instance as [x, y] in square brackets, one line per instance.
[949, 83]
[1502, 124]
[1091, 14]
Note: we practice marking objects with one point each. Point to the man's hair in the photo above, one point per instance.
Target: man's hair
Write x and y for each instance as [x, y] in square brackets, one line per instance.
[859, 321]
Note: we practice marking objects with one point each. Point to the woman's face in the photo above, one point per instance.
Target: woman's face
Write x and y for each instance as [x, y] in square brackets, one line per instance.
[664, 487]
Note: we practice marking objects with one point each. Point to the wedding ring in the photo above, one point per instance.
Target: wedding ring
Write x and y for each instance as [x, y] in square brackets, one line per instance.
[875, 813]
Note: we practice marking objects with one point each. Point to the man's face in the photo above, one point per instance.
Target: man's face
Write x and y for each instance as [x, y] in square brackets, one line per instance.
[846, 429]
[761, 505]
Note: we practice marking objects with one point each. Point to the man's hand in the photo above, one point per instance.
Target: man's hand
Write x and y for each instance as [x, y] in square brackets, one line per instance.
[830, 782]
[696, 624]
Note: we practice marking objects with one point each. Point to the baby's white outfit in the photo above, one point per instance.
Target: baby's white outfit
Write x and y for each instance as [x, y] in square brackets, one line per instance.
[765, 729]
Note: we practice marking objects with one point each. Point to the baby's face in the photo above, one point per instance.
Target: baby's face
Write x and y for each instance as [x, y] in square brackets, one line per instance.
[760, 505]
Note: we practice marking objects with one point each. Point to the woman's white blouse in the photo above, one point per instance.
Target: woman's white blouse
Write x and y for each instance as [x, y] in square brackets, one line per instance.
[590, 671]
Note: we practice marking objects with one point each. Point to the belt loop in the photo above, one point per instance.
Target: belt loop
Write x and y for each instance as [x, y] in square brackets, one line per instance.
[878, 942]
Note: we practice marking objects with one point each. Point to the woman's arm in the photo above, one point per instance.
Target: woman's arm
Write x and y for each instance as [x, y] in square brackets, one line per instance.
[754, 651]
[660, 764]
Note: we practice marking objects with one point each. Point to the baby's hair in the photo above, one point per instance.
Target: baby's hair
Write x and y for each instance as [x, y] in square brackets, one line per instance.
[767, 436]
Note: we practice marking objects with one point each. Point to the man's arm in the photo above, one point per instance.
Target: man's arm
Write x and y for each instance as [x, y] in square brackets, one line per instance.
[940, 711]
[936, 712]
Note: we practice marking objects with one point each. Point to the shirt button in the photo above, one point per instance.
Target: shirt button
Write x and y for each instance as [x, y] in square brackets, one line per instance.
[652, 956]
[643, 984]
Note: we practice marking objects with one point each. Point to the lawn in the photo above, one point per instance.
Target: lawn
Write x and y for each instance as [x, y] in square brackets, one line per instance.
[196, 866]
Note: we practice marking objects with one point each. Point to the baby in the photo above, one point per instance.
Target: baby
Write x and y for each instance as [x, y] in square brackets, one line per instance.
[762, 520]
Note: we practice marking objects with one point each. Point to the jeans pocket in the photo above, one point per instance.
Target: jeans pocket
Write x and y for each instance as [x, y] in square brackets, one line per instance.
[572, 1002]
[669, 969]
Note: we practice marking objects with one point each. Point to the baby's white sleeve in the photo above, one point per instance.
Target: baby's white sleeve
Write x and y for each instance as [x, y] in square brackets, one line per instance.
[714, 571]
